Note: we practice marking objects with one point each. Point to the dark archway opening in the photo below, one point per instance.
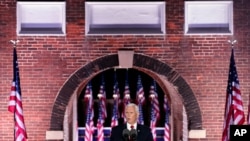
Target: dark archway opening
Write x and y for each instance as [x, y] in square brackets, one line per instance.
[109, 83]
[150, 66]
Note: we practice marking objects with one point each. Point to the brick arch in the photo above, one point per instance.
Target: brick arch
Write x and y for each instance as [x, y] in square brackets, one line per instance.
[189, 100]
[110, 61]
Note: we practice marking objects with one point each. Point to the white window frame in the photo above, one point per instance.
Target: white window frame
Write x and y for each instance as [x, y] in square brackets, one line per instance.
[93, 20]
[222, 22]
[41, 18]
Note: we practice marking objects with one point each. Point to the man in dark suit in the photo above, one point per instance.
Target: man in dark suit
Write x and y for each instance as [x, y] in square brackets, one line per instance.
[143, 133]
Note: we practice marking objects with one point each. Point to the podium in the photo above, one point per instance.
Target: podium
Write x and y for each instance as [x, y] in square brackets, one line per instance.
[107, 130]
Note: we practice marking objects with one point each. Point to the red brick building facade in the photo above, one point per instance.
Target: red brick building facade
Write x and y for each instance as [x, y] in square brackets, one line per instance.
[192, 70]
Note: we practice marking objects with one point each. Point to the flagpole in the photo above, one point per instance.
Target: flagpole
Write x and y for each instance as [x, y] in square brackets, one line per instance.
[234, 113]
[14, 44]
[232, 42]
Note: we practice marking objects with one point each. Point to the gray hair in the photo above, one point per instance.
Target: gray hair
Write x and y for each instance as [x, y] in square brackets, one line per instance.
[135, 106]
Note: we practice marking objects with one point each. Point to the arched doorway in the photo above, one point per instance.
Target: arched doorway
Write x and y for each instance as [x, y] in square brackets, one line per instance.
[166, 77]
[127, 82]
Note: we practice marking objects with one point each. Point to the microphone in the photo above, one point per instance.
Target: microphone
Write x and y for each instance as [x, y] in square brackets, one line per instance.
[125, 134]
[133, 134]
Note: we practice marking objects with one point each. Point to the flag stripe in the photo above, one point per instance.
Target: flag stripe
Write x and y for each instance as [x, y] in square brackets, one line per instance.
[116, 96]
[234, 114]
[154, 109]
[102, 111]
[126, 97]
[140, 99]
[89, 125]
[248, 113]
[167, 124]
[15, 103]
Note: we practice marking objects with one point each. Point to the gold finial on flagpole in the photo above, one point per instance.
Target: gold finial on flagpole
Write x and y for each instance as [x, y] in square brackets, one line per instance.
[232, 42]
[14, 42]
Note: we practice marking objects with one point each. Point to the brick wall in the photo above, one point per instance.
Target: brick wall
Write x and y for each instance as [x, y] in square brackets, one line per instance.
[47, 62]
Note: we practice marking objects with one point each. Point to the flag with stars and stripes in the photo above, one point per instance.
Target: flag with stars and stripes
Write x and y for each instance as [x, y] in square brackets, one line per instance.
[167, 125]
[248, 112]
[154, 109]
[116, 96]
[15, 103]
[89, 125]
[102, 111]
[140, 99]
[126, 96]
[234, 113]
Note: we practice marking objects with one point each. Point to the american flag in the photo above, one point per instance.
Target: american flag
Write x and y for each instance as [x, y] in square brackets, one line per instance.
[89, 125]
[140, 99]
[234, 114]
[126, 97]
[102, 112]
[154, 109]
[114, 121]
[248, 114]
[15, 103]
[116, 96]
[167, 125]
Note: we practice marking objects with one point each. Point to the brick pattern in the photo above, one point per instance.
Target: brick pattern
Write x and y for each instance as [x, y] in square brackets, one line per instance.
[73, 83]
